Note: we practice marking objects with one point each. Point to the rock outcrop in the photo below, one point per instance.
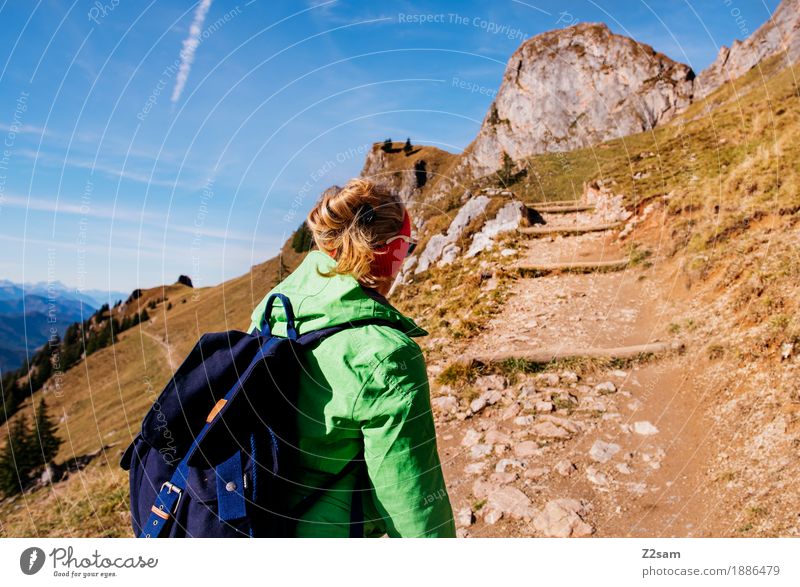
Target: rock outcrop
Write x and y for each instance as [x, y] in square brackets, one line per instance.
[781, 32]
[405, 172]
[575, 87]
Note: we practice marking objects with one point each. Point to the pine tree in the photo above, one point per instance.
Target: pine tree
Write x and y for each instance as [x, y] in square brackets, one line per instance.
[407, 148]
[506, 171]
[144, 317]
[387, 146]
[44, 436]
[15, 459]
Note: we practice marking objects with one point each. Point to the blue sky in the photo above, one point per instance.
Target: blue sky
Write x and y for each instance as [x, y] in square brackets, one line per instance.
[116, 174]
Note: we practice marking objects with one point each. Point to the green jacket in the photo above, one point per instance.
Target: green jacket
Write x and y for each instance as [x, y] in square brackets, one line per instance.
[365, 387]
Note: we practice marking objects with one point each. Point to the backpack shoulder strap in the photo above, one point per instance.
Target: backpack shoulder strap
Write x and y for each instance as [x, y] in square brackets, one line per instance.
[312, 338]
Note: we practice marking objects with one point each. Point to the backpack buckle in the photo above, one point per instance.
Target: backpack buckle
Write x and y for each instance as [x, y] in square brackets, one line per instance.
[171, 488]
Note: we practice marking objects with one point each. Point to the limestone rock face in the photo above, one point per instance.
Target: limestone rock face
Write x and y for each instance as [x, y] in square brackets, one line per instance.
[781, 32]
[376, 167]
[575, 87]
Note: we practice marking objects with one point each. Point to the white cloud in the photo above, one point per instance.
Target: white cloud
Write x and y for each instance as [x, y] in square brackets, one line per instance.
[189, 47]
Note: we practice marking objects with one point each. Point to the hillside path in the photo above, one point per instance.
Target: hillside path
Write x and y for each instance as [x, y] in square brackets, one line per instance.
[616, 451]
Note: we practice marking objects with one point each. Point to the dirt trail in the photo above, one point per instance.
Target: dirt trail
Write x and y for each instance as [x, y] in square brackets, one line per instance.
[173, 363]
[612, 452]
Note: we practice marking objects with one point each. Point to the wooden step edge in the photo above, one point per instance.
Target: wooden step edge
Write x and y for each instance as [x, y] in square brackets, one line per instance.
[545, 356]
[578, 229]
[540, 269]
[561, 209]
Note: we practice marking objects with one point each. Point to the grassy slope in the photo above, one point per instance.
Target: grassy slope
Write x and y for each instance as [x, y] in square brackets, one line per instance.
[104, 398]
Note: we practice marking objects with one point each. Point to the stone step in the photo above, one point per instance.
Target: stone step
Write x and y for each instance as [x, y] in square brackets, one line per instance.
[541, 269]
[545, 356]
[577, 229]
[561, 209]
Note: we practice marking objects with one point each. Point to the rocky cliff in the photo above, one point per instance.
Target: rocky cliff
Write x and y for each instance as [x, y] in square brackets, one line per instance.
[575, 87]
[780, 33]
[407, 171]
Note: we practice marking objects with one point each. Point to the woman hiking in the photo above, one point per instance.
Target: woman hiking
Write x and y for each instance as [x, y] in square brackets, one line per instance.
[363, 394]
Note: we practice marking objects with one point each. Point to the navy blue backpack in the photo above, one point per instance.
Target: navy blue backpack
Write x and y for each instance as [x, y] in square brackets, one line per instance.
[210, 460]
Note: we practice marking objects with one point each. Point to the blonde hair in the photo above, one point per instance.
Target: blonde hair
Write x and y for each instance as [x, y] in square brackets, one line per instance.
[350, 222]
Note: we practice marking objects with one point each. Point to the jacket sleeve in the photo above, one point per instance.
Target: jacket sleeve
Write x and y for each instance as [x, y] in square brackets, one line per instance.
[394, 413]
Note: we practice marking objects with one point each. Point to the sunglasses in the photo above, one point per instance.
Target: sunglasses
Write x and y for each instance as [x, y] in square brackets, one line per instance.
[412, 244]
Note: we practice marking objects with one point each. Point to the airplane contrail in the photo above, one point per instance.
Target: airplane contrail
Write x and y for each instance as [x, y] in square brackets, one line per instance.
[190, 44]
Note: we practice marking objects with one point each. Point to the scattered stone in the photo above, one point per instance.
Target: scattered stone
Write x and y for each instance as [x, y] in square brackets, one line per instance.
[471, 438]
[619, 373]
[508, 252]
[507, 219]
[536, 473]
[480, 450]
[549, 430]
[644, 428]
[602, 452]
[564, 399]
[565, 423]
[504, 478]
[563, 518]
[527, 448]
[637, 488]
[504, 464]
[565, 468]
[493, 397]
[473, 208]
[436, 287]
[543, 406]
[510, 501]
[510, 412]
[492, 516]
[475, 468]
[569, 377]
[523, 420]
[488, 382]
[605, 388]
[787, 349]
[596, 477]
[495, 436]
[447, 404]
[550, 379]
[450, 253]
[465, 517]
[624, 468]
[478, 404]
[593, 404]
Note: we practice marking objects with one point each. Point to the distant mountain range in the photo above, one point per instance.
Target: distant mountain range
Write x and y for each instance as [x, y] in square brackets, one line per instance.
[31, 312]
